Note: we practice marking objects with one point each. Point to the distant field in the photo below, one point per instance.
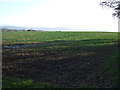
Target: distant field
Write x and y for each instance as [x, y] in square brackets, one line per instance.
[60, 59]
[10, 37]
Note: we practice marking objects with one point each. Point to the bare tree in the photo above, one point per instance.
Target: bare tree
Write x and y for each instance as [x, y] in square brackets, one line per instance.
[114, 4]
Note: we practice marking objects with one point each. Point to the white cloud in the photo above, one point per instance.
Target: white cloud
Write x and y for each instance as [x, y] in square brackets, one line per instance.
[66, 13]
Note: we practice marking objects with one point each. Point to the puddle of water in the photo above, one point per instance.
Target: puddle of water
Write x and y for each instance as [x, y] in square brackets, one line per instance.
[12, 47]
[15, 46]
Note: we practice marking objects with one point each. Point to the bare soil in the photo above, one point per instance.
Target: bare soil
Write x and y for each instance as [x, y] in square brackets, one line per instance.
[61, 67]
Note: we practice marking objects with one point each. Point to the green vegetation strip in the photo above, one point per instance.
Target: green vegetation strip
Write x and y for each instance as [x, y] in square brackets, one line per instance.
[10, 82]
[9, 37]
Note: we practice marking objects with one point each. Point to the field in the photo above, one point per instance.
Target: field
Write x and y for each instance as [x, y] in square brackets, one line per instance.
[60, 59]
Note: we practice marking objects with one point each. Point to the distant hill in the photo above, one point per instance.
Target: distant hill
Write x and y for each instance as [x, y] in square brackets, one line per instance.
[14, 28]
[34, 28]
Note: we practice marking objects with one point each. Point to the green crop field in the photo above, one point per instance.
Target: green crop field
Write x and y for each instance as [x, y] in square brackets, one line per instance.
[29, 37]
[60, 59]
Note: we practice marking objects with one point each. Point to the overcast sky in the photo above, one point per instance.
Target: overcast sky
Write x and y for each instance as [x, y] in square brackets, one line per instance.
[83, 14]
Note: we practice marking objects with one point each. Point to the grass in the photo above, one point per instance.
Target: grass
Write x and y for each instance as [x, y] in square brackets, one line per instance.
[9, 82]
[28, 37]
[61, 59]
[112, 68]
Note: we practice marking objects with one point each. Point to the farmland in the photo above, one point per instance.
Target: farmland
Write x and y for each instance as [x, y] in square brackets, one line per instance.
[60, 59]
